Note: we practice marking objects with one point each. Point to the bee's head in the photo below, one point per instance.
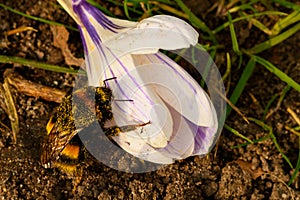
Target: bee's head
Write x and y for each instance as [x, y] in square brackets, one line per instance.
[103, 95]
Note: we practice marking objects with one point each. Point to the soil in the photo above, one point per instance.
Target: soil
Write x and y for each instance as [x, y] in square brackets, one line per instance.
[255, 171]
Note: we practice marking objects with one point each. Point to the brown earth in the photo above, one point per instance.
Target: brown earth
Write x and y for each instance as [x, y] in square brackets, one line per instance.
[255, 171]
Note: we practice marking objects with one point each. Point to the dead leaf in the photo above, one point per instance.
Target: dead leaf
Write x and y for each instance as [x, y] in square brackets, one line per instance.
[246, 166]
[60, 39]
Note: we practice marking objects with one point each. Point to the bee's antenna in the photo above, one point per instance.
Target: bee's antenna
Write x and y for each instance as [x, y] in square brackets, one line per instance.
[113, 78]
[131, 100]
[108, 80]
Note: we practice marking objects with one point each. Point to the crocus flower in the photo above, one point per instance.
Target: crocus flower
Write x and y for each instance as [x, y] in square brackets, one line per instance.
[182, 119]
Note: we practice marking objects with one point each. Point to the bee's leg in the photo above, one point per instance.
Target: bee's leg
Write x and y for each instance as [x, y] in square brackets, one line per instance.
[115, 130]
[128, 128]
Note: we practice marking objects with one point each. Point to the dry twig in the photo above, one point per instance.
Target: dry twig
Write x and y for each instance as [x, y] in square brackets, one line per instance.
[33, 89]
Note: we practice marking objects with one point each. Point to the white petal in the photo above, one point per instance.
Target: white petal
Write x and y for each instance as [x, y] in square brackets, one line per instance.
[139, 148]
[157, 32]
[105, 64]
[176, 87]
[146, 107]
[67, 5]
[177, 92]
[181, 144]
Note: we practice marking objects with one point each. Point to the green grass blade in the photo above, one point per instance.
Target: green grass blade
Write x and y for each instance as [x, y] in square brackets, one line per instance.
[196, 21]
[268, 128]
[235, 132]
[267, 108]
[254, 142]
[285, 22]
[287, 4]
[228, 69]
[146, 1]
[247, 17]
[280, 151]
[103, 9]
[280, 74]
[32, 63]
[166, 2]
[235, 44]
[260, 26]
[170, 9]
[281, 97]
[297, 168]
[241, 84]
[126, 9]
[273, 41]
[242, 7]
[37, 18]
[129, 8]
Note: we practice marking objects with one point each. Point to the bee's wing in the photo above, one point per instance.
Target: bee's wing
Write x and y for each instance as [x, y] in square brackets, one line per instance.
[55, 142]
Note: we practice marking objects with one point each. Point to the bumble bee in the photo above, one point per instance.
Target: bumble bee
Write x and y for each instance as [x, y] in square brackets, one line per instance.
[62, 147]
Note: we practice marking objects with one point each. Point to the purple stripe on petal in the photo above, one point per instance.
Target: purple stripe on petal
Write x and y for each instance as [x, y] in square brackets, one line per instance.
[97, 14]
[84, 44]
[204, 138]
[103, 20]
[86, 22]
[199, 138]
[93, 35]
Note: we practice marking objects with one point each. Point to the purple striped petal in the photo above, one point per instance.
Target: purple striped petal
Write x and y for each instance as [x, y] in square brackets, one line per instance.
[183, 121]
